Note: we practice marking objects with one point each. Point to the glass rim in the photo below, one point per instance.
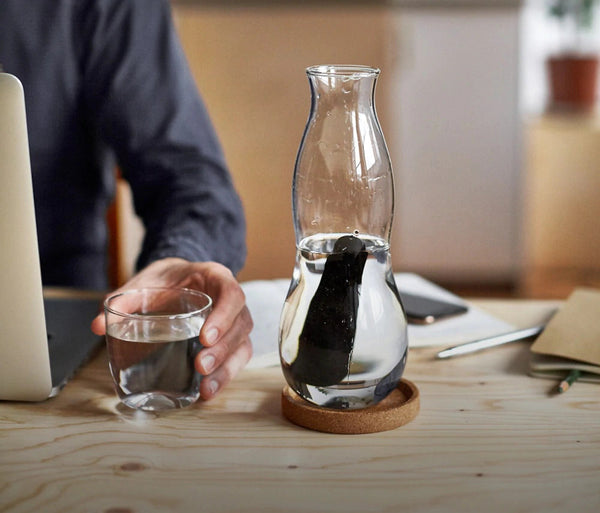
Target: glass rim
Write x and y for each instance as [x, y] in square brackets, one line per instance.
[185, 315]
[342, 70]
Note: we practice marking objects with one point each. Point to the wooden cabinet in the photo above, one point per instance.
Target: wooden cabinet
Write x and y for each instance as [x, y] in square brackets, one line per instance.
[561, 237]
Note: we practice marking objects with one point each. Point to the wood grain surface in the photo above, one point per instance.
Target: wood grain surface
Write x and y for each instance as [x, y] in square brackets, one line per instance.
[487, 438]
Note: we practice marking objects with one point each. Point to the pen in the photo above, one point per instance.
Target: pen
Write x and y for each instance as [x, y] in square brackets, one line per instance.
[485, 343]
[568, 381]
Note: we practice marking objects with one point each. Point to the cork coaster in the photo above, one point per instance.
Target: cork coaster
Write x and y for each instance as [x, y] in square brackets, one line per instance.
[398, 408]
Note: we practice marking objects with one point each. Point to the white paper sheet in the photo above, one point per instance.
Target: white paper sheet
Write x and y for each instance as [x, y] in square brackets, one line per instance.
[265, 301]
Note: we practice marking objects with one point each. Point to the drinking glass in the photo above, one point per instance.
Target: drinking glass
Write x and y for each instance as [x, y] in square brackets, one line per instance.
[152, 336]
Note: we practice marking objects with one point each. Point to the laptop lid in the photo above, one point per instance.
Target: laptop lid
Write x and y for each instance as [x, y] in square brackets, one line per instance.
[24, 358]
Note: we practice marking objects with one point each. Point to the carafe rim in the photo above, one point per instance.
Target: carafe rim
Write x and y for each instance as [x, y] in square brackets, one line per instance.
[342, 70]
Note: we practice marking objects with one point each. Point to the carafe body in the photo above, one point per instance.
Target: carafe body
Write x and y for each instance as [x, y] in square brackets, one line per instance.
[343, 339]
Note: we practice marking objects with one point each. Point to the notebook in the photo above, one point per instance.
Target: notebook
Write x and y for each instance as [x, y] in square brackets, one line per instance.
[571, 340]
[42, 341]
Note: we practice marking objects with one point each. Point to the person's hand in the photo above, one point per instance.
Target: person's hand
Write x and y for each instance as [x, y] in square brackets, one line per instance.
[226, 332]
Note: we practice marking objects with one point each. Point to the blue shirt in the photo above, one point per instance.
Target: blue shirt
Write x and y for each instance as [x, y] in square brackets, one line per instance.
[106, 83]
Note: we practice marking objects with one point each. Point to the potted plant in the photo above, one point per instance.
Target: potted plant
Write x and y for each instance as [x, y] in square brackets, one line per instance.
[573, 72]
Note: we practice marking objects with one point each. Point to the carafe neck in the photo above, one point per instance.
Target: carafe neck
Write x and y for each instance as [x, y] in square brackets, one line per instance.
[342, 89]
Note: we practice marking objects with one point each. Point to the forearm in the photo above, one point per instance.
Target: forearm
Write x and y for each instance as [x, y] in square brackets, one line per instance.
[149, 111]
[195, 221]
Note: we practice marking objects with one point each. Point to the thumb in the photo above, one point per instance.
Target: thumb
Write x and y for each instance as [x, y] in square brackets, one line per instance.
[98, 325]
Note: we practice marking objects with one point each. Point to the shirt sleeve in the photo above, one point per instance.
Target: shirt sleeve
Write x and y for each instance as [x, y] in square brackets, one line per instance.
[142, 97]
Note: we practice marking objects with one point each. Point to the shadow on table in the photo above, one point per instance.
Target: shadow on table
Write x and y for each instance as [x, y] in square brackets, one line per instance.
[517, 362]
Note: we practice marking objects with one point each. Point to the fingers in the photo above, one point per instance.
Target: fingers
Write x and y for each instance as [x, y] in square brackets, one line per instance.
[236, 361]
[222, 362]
[229, 304]
[213, 356]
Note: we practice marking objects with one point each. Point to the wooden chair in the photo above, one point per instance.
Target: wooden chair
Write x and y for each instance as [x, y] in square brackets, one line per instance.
[125, 234]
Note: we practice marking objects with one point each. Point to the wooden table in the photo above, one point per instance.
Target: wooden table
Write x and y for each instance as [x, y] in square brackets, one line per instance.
[488, 438]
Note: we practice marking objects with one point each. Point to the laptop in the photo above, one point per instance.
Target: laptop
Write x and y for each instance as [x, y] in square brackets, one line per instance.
[43, 341]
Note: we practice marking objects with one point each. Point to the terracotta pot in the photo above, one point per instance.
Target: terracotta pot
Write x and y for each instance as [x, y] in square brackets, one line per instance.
[573, 82]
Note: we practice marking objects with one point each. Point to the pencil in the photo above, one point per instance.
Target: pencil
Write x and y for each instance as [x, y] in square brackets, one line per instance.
[569, 380]
[485, 343]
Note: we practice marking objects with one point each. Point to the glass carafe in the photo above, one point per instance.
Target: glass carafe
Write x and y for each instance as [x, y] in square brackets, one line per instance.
[342, 338]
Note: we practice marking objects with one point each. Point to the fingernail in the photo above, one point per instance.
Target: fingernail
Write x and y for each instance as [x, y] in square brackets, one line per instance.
[211, 335]
[213, 386]
[208, 362]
